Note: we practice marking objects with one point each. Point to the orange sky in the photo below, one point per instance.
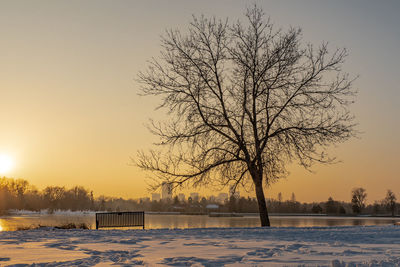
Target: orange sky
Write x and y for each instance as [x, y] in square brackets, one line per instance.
[70, 113]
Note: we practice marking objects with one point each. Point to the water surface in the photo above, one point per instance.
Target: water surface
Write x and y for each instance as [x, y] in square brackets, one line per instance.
[156, 221]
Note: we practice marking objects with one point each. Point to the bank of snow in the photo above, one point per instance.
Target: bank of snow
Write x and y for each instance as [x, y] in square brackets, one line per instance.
[54, 212]
[317, 246]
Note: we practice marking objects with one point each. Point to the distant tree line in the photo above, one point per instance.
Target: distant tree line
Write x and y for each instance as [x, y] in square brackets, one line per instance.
[18, 194]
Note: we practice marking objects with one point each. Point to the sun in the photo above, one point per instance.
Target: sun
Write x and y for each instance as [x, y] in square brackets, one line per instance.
[6, 164]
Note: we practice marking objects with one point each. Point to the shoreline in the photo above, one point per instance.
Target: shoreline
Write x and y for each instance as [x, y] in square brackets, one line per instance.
[217, 214]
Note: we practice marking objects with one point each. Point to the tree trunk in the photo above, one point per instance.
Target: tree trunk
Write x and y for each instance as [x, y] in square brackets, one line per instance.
[262, 205]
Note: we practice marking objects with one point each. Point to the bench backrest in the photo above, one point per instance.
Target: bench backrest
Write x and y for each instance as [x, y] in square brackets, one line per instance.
[120, 219]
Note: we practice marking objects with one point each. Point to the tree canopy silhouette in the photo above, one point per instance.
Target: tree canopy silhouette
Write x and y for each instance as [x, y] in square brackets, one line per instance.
[358, 199]
[243, 101]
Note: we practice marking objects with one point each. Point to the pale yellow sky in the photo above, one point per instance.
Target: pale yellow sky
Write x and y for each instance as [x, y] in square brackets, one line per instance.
[70, 113]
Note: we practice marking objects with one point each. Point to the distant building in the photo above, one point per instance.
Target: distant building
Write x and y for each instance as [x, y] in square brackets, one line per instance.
[233, 192]
[194, 196]
[222, 197]
[212, 207]
[166, 191]
[155, 197]
[181, 197]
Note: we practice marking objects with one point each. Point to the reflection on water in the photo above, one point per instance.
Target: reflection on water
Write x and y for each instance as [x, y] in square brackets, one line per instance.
[155, 221]
[191, 221]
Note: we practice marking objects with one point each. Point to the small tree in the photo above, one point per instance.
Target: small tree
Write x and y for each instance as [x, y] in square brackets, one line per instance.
[316, 208]
[358, 199]
[244, 101]
[176, 200]
[331, 206]
[53, 195]
[390, 201]
[232, 204]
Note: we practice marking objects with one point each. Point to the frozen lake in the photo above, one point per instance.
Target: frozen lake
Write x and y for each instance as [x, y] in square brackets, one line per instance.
[158, 221]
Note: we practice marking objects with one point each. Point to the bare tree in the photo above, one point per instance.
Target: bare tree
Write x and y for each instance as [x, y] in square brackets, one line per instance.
[243, 101]
[359, 196]
[390, 201]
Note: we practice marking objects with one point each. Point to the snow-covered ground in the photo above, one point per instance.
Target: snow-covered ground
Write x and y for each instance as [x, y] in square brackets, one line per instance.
[316, 246]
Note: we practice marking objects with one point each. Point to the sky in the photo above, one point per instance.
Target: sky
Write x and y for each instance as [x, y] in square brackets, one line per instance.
[70, 113]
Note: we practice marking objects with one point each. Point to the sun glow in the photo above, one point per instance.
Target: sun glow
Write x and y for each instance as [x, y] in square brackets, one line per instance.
[6, 164]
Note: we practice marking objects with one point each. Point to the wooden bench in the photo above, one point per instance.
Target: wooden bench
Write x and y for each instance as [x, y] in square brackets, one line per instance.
[119, 219]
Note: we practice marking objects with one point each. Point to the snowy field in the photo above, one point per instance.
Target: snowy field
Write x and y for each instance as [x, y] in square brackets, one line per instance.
[317, 246]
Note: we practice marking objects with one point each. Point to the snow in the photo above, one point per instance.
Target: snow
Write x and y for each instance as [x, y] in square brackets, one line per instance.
[311, 246]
